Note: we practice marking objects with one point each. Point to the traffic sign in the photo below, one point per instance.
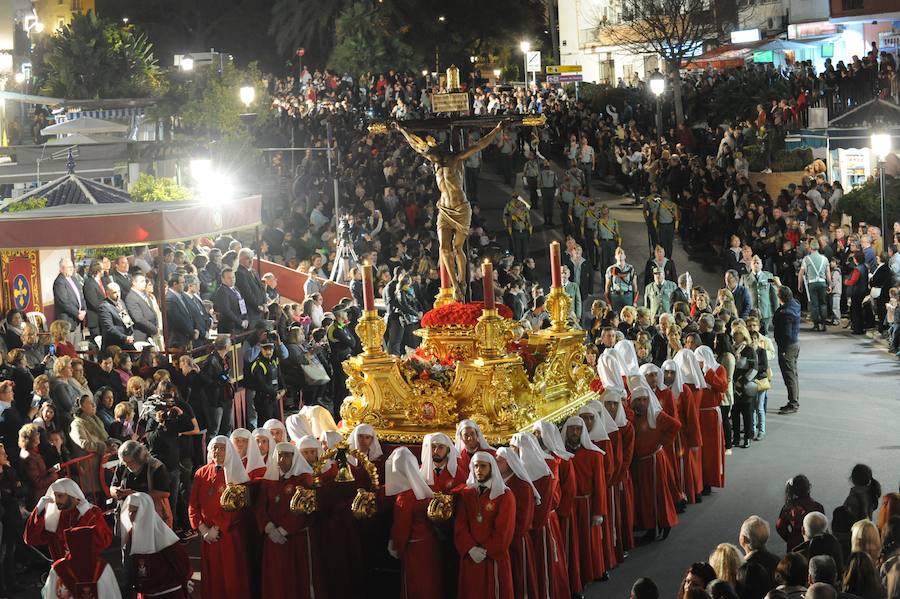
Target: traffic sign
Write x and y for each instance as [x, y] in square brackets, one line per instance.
[570, 77]
[533, 61]
[560, 69]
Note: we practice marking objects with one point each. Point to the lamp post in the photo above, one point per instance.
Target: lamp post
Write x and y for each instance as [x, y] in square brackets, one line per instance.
[881, 146]
[248, 94]
[187, 63]
[525, 46]
[658, 86]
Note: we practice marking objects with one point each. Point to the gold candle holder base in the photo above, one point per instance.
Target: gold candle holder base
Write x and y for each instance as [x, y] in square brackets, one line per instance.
[371, 329]
[490, 334]
[559, 305]
[445, 296]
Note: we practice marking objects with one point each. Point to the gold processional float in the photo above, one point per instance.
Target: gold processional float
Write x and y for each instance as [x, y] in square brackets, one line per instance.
[474, 361]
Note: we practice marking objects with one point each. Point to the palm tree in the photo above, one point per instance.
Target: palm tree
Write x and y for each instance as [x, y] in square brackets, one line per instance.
[298, 23]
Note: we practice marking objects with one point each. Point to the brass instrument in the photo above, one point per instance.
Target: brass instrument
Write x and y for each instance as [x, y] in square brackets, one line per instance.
[235, 497]
[440, 508]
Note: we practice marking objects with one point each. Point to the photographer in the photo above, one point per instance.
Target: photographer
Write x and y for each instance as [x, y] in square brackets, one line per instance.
[170, 421]
[139, 471]
[215, 377]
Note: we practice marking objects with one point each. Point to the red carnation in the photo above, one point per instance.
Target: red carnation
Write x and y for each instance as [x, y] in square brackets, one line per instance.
[424, 375]
[597, 386]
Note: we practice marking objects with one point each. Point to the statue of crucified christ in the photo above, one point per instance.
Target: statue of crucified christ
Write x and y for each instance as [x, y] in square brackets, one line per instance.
[454, 211]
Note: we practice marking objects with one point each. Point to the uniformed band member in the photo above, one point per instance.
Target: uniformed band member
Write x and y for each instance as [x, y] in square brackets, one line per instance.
[517, 220]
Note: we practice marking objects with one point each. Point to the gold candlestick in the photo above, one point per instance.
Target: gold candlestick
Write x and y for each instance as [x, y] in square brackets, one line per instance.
[445, 296]
[559, 304]
[490, 334]
[371, 329]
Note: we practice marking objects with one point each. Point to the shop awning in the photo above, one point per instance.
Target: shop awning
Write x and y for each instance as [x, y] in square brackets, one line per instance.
[99, 225]
[725, 56]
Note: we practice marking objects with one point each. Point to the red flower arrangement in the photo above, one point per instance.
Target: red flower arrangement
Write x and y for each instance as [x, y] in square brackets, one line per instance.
[597, 385]
[457, 314]
[530, 359]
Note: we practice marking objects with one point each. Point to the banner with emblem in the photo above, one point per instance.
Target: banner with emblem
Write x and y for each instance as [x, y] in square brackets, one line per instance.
[21, 280]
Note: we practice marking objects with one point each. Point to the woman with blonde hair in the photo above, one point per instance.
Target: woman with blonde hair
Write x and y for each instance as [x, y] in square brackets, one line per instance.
[59, 337]
[725, 301]
[865, 538]
[726, 560]
[37, 475]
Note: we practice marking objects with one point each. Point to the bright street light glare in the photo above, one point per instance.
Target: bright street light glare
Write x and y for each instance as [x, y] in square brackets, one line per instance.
[201, 169]
[248, 94]
[216, 188]
[525, 46]
[187, 63]
[657, 83]
[20, 77]
[497, 73]
[39, 27]
[881, 145]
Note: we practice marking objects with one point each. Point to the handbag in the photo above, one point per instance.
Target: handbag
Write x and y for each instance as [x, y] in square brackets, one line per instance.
[763, 384]
[315, 374]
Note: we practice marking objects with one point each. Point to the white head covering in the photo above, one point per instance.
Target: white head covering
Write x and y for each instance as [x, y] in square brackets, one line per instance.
[678, 383]
[427, 460]
[374, 449]
[616, 395]
[274, 423]
[298, 466]
[297, 427]
[690, 369]
[319, 420]
[310, 442]
[534, 459]
[463, 424]
[611, 371]
[598, 430]
[254, 458]
[606, 421]
[149, 533]
[625, 351]
[234, 469]
[518, 469]
[705, 354]
[650, 367]
[654, 407]
[585, 437]
[401, 473]
[552, 439]
[331, 438]
[495, 483]
[70, 488]
[263, 432]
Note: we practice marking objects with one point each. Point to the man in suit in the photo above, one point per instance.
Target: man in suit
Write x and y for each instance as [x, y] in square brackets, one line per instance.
[68, 300]
[94, 293]
[141, 309]
[11, 421]
[251, 288]
[580, 270]
[230, 305]
[200, 317]
[116, 325]
[120, 275]
[753, 538]
[180, 325]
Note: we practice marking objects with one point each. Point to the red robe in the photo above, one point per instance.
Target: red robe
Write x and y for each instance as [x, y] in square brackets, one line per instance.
[611, 464]
[338, 535]
[711, 427]
[421, 575]
[669, 405]
[626, 487]
[549, 549]
[465, 457]
[492, 578]
[521, 551]
[291, 569]
[652, 473]
[691, 442]
[590, 501]
[223, 564]
[565, 512]
[36, 534]
[447, 483]
[155, 573]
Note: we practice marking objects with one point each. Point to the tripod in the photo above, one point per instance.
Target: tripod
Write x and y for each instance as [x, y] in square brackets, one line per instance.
[346, 260]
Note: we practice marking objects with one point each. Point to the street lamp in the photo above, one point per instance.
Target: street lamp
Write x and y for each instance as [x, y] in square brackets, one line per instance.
[38, 27]
[658, 86]
[497, 74]
[881, 147]
[187, 63]
[248, 94]
[20, 77]
[525, 46]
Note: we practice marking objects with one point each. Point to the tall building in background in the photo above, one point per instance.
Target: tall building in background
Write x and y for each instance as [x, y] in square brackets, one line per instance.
[56, 14]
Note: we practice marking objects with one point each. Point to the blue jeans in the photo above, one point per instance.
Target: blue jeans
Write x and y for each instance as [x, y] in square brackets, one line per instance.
[759, 415]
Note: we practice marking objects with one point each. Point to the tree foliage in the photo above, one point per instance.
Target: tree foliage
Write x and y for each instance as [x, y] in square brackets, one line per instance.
[148, 188]
[863, 204]
[365, 44]
[97, 58]
[307, 23]
[32, 203]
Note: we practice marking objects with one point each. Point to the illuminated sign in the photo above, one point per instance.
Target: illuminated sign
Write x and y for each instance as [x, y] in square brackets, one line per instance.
[744, 36]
